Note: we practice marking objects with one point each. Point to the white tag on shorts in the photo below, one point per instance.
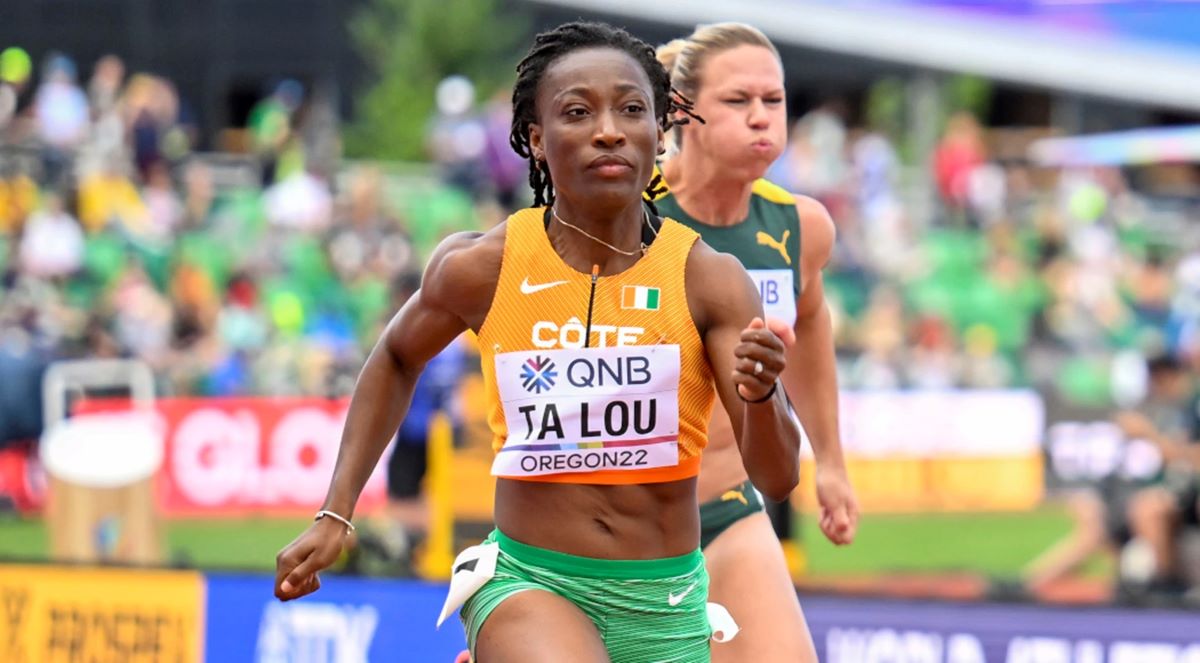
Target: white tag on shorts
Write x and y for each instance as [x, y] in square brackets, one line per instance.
[721, 622]
[472, 569]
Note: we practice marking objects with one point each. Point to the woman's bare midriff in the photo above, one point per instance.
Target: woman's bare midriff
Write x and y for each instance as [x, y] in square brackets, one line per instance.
[647, 521]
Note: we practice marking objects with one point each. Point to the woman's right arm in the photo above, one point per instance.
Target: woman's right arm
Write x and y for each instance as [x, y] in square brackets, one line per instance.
[443, 308]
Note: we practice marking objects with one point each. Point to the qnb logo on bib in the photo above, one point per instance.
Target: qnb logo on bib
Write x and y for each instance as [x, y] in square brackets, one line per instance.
[776, 290]
[593, 409]
[538, 374]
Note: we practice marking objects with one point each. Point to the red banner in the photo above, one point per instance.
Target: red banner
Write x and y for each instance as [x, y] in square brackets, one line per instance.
[248, 455]
[242, 456]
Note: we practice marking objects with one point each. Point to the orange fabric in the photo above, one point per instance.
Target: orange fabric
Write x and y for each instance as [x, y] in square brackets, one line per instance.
[521, 312]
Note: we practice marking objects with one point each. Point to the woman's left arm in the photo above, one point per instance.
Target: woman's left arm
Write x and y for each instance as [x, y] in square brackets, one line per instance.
[811, 379]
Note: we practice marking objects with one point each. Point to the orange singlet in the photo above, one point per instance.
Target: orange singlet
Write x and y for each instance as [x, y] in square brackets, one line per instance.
[633, 405]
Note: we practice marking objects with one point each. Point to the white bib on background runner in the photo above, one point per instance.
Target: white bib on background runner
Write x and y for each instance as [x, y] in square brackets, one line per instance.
[584, 410]
[777, 293]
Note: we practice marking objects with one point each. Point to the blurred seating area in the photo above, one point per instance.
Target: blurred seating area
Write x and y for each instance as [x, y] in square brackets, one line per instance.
[268, 270]
[1009, 274]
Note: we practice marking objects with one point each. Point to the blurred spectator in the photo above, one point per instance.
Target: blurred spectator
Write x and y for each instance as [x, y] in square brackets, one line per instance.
[302, 201]
[1141, 509]
[15, 68]
[369, 241]
[457, 136]
[198, 194]
[105, 87]
[814, 162]
[163, 207]
[107, 141]
[151, 113]
[1169, 420]
[319, 142]
[270, 126]
[110, 199]
[507, 171]
[52, 243]
[958, 154]
[18, 197]
[61, 115]
[141, 316]
[881, 337]
[934, 363]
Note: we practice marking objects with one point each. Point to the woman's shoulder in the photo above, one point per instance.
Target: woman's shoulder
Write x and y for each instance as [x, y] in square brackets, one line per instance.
[773, 193]
[465, 263]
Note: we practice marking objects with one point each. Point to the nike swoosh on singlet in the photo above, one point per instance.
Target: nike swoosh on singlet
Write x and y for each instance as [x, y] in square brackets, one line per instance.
[675, 599]
[528, 289]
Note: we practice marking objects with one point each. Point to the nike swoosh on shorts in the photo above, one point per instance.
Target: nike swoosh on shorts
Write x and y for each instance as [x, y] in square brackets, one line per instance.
[676, 599]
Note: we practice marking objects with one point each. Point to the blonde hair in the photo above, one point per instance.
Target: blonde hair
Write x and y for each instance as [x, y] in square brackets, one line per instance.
[684, 58]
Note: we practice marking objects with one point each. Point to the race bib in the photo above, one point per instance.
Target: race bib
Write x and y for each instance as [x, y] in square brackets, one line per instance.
[587, 410]
[777, 293]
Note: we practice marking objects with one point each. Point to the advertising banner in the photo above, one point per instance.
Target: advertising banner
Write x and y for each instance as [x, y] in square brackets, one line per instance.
[349, 620]
[238, 456]
[853, 630]
[67, 615]
[937, 450]
[907, 450]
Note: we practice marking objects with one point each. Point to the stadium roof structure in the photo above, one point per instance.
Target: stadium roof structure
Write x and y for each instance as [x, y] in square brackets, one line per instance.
[1145, 52]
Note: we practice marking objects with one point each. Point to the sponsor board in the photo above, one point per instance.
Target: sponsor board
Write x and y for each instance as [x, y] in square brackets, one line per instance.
[349, 620]
[243, 456]
[852, 630]
[65, 615]
[937, 450]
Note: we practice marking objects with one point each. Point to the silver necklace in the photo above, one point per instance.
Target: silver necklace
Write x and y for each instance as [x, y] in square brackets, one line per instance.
[645, 218]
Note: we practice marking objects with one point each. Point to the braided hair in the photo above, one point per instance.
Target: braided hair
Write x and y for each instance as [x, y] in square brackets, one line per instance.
[549, 47]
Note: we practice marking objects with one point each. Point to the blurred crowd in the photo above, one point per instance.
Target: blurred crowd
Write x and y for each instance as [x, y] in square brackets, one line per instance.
[268, 271]
[269, 265]
[1070, 281]
[1016, 276]
[266, 268]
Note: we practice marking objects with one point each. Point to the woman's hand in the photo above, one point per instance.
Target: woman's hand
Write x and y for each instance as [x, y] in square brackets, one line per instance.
[297, 565]
[760, 357]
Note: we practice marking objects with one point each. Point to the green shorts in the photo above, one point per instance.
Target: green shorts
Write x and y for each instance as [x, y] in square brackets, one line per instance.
[647, 611]
[734, 504]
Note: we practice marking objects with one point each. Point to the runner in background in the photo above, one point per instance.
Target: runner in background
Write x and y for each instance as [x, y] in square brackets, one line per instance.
[714, 186]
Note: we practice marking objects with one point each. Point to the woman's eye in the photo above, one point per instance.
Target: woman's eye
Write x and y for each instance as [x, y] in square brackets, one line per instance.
[576, 111]
[634, 108]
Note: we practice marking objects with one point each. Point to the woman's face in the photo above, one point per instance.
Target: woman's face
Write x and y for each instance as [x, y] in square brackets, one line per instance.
[742, 101]
[596, 126]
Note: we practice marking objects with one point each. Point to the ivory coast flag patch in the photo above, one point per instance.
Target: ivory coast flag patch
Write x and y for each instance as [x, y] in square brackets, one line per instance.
[639, 297]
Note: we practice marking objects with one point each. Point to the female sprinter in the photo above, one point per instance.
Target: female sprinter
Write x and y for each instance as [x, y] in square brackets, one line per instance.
[603, 330]
[714, 186]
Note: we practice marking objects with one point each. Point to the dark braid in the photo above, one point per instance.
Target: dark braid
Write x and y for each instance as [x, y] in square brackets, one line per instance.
[552, 45]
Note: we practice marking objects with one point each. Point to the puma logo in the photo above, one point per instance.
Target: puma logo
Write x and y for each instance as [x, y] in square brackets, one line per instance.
[780, 246]
[730, 495]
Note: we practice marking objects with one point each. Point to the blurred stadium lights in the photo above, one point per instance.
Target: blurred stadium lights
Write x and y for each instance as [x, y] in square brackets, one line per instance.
[1016, 41]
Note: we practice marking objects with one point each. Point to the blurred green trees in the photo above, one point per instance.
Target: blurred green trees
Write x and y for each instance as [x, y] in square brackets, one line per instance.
[411, 45]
